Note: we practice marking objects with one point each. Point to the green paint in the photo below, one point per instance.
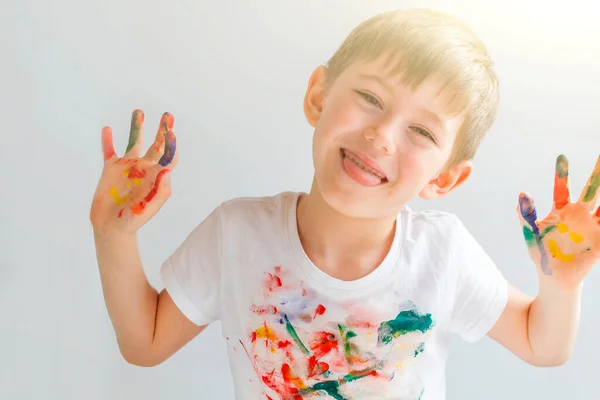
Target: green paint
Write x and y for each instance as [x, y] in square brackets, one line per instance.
[332, 388]
[420, 349]
[421, 395]
[356, 375]
[405, 322]
[562, 166]
[529, 236]
[346, 336]
[294, 336]
[547, 231]
[135, 129]
[592, 188]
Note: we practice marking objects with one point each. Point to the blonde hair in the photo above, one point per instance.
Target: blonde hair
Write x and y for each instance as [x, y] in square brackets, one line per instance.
[423, 44]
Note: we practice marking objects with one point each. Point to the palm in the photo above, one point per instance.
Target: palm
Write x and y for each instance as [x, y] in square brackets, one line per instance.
[566, 243]
[128, 185]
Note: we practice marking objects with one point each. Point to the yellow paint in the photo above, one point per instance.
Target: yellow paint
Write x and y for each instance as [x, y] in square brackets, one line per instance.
[400, 364]
[114, 193]
[557, 253]
[576, 237]
[562, 228]
[266, 333]
[134, 181]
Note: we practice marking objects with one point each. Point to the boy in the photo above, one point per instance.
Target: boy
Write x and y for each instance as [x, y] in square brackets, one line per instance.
[345, 292]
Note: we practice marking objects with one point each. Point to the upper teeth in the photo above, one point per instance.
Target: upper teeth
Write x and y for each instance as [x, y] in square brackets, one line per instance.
[363, 166]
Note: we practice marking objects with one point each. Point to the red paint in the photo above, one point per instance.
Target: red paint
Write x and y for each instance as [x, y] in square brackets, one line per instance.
[168, 119]
[273, 282]
[284, 344]
[323, 343]
[136, 173]
[303, 292]
[120, 213]
[126, 161]
[320, 310]
[316, 368]
[253, 337]
[291, 379]
[361, 324]
[561, 191]
[598, 214]
[263, 310]
[284, 391]
[139, 208]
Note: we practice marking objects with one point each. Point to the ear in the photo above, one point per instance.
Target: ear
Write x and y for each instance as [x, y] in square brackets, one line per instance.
[315, 95]
[447, 181]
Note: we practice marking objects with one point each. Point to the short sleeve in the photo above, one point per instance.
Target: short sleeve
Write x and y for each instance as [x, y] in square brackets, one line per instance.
[192, 275]
[480, 290]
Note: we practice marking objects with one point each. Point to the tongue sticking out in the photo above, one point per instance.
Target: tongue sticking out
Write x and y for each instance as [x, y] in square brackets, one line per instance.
[359, 174]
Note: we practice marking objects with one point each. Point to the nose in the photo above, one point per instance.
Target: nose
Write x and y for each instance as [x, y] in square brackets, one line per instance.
[381, 138]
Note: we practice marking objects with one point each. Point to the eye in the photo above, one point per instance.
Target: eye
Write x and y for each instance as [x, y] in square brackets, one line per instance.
[370, 98]
[424, 132]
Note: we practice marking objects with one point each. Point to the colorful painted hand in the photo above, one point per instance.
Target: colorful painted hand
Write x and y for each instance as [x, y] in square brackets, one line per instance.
[302, 348]
[566, 243]
[128, 185]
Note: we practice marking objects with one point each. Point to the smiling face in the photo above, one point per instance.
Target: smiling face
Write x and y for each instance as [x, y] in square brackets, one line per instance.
[378, 143]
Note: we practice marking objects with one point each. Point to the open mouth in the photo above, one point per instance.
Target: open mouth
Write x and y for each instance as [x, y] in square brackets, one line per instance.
[360, 171]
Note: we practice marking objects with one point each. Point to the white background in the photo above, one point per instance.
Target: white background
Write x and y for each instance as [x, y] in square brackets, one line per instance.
[234, 73]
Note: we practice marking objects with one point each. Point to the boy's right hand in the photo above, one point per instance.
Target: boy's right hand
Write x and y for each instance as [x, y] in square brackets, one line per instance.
[132, 189]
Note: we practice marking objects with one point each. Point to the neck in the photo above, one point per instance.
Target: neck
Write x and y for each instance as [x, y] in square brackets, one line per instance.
[344, 247]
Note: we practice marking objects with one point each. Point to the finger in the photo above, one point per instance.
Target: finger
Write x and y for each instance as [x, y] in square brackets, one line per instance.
[527, 217]
[135, 134]
[562, 184]
[156, 150]
[158, 195]
[589, 196]
[170, 151]
[531, 230]
[108, 148]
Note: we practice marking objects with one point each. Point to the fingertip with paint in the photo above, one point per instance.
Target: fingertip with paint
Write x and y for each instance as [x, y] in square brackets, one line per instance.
[138, 113]
[562, 166]
[526, 204]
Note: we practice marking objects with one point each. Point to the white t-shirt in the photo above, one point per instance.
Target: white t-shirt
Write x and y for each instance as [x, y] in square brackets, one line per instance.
[294, 332]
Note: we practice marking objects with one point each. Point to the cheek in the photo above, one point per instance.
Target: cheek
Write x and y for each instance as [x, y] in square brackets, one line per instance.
[344, 116]
[417, 166]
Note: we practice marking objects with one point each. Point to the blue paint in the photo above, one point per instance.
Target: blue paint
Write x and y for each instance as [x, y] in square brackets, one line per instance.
[529, 214]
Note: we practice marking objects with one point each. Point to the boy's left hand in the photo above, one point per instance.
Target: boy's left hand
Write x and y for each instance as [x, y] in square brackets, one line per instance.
[565, 245]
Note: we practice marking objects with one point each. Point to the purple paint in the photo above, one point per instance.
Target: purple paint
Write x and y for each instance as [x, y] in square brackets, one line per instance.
[529, 214]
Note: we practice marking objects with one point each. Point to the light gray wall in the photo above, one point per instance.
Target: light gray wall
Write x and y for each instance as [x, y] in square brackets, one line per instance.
[234, 73]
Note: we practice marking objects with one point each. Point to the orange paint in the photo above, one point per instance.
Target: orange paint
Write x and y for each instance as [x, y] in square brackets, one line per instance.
[136, 173]
[561, 191]
[290, 378]
[139, 208]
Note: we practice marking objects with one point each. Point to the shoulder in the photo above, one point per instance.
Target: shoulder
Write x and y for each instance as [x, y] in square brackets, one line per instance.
[257, 211]
[431, 226]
